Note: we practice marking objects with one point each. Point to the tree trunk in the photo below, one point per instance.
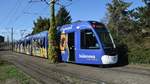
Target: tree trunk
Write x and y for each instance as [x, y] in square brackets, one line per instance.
[52, 48]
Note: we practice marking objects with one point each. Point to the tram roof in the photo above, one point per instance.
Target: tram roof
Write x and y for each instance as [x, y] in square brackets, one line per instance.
[79, 25]
[73, 26]
[40, 35]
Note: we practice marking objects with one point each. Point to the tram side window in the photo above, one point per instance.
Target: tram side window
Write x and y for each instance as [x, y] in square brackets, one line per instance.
[88, 40]
[43, 43]
[39, 43]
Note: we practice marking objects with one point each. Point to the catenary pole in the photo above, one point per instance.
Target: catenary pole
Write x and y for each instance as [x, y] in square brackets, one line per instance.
[12, 38]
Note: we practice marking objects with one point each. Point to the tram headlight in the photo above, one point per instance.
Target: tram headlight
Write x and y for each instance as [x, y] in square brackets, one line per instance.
[107, 59]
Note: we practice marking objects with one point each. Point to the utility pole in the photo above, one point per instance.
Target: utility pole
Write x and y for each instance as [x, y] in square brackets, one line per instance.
[12, 38]
[52, 48]
[7, 40]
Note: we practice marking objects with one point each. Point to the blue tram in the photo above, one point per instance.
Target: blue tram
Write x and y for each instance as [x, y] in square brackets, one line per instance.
[86, 42]
[39, 44]
[35, 45]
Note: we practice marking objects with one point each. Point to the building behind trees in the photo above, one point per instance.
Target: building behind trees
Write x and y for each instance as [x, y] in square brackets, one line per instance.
[1, 39]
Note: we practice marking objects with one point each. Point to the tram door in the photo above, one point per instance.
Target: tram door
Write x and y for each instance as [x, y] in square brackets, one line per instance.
[71, 46]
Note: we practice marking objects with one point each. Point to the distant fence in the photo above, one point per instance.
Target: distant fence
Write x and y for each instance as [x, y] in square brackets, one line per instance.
[5, 46]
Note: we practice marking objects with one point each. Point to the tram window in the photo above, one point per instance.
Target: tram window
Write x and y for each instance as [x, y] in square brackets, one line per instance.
[43, 43]
[88, 40]
[39, 43]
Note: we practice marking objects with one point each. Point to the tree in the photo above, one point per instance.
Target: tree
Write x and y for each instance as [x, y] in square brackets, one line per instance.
[128, 26]
[63, 17]
[52, 40]
[147, 2]
[140, 15]
[41, 24]
[118, 17]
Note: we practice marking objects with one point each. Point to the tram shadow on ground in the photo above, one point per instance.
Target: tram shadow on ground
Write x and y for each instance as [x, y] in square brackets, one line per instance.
[122, 55]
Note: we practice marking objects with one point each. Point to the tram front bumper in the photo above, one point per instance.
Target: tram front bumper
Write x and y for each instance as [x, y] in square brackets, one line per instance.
[107, 59]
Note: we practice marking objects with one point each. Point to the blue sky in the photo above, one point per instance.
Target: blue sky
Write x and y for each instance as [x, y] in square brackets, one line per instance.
[20, 14]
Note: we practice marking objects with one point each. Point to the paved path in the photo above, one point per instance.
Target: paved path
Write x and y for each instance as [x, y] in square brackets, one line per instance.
[64, 73]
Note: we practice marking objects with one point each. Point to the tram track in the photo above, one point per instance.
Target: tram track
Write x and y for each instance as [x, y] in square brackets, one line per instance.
[47, 72]
[56, 70]
[52, 72]
[28, 67]
[34, 71]
[63, 73]
[43, 74]
[122, 69]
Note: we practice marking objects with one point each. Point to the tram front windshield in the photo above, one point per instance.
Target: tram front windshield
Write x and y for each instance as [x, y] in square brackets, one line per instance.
[105, 38]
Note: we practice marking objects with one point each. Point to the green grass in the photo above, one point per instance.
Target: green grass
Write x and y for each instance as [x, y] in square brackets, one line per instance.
[8, 72]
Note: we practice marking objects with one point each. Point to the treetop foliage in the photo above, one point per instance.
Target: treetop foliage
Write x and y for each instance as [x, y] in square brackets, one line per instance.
[118, 16]
[63, 17]
[41, 24]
